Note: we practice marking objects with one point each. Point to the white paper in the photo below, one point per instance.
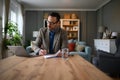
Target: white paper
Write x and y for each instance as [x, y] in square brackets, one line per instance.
[49, 56]
[52, 55]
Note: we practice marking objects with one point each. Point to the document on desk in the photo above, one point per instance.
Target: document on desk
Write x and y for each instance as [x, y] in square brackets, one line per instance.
[51, 55]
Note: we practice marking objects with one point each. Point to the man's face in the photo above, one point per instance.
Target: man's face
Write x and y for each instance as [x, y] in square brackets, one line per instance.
[52, 22]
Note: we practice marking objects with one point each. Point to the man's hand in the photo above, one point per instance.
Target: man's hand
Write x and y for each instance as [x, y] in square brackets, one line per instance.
[42, 52]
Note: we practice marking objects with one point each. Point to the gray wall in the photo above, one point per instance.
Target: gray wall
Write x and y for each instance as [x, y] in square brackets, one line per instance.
[91, 27]
[109, 15]
[34, 20]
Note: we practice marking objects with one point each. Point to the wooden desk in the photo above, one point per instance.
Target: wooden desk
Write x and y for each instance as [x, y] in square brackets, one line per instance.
[39, 68]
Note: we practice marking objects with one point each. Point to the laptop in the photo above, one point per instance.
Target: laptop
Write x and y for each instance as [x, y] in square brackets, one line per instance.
[20, 51]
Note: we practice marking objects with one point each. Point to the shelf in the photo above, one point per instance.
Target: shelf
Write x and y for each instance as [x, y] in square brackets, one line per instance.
[72, 27]
[72, 37]
[72, 31]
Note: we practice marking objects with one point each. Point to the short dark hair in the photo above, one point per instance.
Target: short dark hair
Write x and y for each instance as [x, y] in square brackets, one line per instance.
[55, 14]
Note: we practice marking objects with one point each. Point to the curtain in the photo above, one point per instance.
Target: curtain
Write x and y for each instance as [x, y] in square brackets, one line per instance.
[7, 4]
[0, 36]
[20, 19]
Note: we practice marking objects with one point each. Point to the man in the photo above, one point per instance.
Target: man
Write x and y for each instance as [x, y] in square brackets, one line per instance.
[50, 39]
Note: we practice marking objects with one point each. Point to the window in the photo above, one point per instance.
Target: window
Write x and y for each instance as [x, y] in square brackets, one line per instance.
[15, 15]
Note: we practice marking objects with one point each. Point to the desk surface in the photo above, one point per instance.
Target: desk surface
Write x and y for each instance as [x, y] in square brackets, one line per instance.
[39, 68]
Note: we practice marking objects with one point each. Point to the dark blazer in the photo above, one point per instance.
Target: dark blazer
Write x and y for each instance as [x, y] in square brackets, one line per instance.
[42, 40]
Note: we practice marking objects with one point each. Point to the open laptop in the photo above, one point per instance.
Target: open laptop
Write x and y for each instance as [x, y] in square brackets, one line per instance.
[20, 51]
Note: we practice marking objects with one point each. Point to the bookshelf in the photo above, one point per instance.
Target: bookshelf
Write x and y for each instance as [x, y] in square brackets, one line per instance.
[72, 26]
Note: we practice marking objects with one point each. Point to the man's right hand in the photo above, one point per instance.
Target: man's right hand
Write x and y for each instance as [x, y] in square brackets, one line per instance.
[42, 52]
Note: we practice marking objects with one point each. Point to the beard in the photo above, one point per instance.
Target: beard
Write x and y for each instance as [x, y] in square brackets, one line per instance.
[54, 29]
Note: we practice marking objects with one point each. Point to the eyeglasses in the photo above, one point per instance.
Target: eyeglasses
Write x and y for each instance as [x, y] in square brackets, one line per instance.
[52, 23]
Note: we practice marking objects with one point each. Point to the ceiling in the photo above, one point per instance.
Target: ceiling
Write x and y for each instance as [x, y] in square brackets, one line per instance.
[74, 5]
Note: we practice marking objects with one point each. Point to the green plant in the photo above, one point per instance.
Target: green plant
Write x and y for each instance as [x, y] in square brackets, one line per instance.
[13, 35]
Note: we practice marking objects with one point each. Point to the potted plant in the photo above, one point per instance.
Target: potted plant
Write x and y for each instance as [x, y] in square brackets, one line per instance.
[11, 38]
[13, 35]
